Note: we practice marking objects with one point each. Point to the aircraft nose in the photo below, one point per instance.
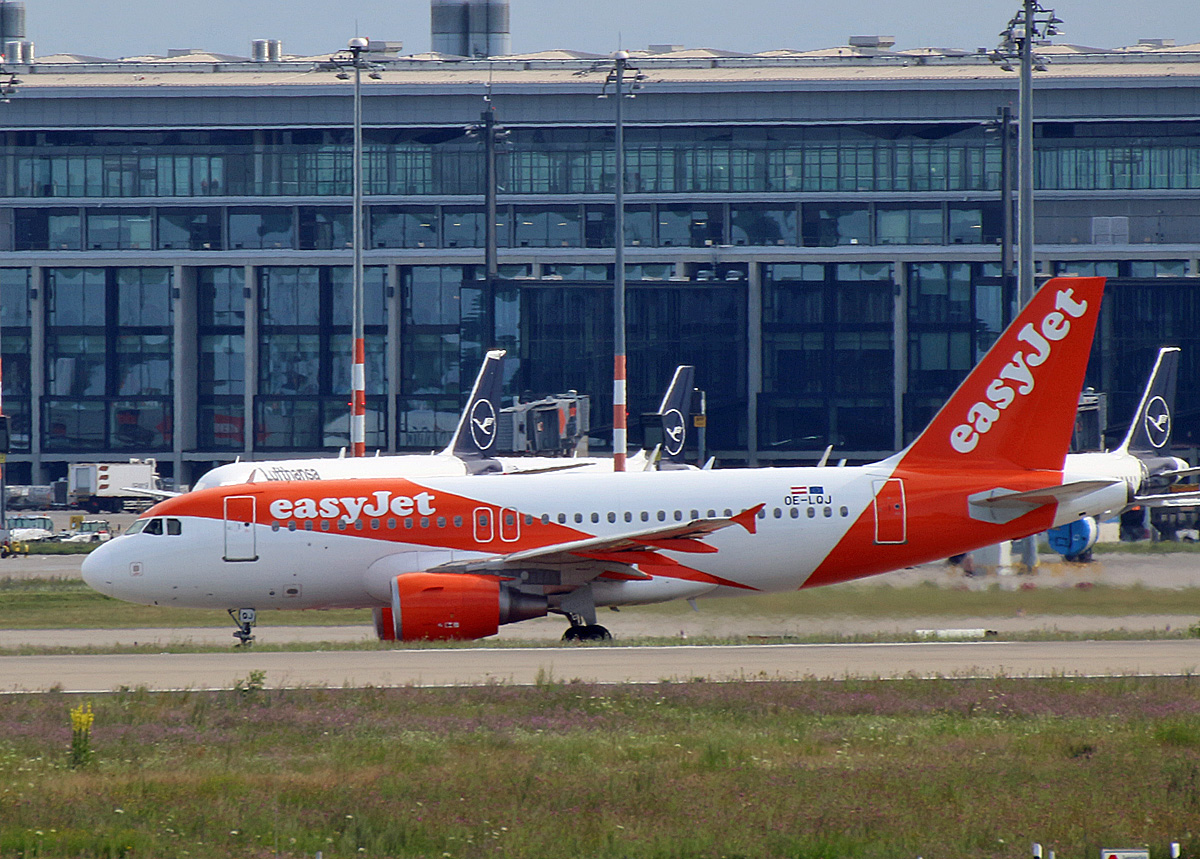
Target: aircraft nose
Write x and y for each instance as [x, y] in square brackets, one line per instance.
[97, 569]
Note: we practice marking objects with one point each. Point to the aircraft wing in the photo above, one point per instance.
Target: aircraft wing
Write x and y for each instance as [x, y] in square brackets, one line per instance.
[618, 553]
[159, 494]
[1170, 499]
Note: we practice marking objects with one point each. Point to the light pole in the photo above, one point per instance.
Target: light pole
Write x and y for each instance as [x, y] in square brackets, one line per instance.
[616, 77]
[1032, 24]
[353, 58]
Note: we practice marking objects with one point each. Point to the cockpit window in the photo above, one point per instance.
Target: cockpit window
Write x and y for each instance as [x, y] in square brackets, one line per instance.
[174, 527]
[137, 526]
[154, 526]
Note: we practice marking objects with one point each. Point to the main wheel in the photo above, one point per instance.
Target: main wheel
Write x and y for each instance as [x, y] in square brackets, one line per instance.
[591, 632]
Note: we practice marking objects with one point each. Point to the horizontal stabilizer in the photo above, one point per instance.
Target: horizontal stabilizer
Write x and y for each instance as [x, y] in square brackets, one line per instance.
[1001, 505]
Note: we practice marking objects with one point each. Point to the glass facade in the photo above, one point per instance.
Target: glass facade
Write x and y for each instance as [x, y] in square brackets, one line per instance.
[827, 357]
[109, 373]
[834, 282]
[304, 349]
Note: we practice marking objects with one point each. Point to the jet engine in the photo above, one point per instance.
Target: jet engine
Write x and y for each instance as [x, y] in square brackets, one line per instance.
[445, 606]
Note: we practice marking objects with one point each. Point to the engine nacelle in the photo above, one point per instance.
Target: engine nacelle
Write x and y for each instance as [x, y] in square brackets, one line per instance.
[443, 606]
[1074, 539]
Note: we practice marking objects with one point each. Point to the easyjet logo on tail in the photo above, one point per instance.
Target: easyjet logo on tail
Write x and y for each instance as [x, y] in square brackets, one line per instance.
[1016, 379]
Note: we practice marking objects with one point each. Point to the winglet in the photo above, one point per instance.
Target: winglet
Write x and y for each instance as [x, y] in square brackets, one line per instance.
[478, 426]
[1017, 407]
[748, 518]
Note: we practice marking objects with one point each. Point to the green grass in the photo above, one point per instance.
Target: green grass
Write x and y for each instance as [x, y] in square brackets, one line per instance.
[43, 547]
[60, 604]
[1147, 547]
[870, 769]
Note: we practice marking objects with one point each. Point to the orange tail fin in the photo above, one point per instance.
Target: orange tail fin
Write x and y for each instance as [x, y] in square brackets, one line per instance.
[1017, 407]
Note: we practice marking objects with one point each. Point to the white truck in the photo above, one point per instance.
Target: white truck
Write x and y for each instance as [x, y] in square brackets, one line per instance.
[112, 486]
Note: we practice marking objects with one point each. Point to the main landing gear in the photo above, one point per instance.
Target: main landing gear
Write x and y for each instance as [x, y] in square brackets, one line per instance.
[245, 618]
[579, 607]
[586, 632]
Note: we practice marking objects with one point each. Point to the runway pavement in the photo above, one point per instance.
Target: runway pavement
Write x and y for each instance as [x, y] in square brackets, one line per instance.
[332, 669]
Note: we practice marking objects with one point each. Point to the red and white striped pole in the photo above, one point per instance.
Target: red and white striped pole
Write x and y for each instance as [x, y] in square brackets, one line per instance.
[358, 416]
[619, 412]
[358, 380]
[620, 440]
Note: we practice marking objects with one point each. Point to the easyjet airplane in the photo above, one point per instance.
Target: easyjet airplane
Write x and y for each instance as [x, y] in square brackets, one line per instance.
[455, 557]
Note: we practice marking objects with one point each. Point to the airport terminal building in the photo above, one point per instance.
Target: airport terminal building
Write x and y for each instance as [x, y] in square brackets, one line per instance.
[818, 232]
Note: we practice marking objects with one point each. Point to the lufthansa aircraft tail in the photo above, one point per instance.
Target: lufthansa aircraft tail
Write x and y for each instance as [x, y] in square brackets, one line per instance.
[475, 438]
[995, 418]
[1150, 431]
[675, 412]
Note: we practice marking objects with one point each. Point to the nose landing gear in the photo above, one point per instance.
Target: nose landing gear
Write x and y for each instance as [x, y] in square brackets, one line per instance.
[245, 618]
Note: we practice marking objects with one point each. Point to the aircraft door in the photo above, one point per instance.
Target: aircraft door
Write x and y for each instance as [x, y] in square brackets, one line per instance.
[240, 538]
[484, 527]
[891, 519]
[510, 525]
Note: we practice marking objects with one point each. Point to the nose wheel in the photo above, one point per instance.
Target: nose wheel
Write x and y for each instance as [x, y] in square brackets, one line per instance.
[244, 618]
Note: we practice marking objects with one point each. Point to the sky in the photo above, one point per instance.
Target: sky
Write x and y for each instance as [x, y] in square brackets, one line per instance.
[127, 28]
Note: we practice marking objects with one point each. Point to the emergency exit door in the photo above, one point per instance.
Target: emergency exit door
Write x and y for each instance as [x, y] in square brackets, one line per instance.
[240, 542]
[891, 518]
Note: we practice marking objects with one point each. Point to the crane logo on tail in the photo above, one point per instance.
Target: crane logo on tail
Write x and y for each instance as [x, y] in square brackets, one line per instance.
[674, 432]
[483, 424]
[1158, 422]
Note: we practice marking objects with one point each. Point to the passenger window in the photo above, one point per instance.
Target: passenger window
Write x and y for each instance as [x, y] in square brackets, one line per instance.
[595, 517]
[292, 525]
[528, 519]
[812, 511]
[762, 514]
[457, 521]
[728, 512]
[678, 515]
[795, 512]
[174, 527]
[391, 524]
[778, 513]
[441, 521]
[645, 516]
[358, 524]
[509, 520]
[324, 524]
[341, 524]
[628, 516]
[828, 512]
[662, 515]
[545, 518]
[424, 521]
[712, 514]
[154, 526]
[408, 523]
[274, 526]
[695, 514]
[578, 518]
[562, 518]
[845, 512]
[612, 517]
[308, 525]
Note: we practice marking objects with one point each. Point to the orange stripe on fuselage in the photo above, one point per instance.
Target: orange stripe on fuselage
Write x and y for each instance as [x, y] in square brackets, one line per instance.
[939, 523]
[531, 533]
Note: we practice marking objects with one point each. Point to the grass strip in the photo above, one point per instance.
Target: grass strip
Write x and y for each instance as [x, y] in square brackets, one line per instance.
[868, 769]
[63, 604]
